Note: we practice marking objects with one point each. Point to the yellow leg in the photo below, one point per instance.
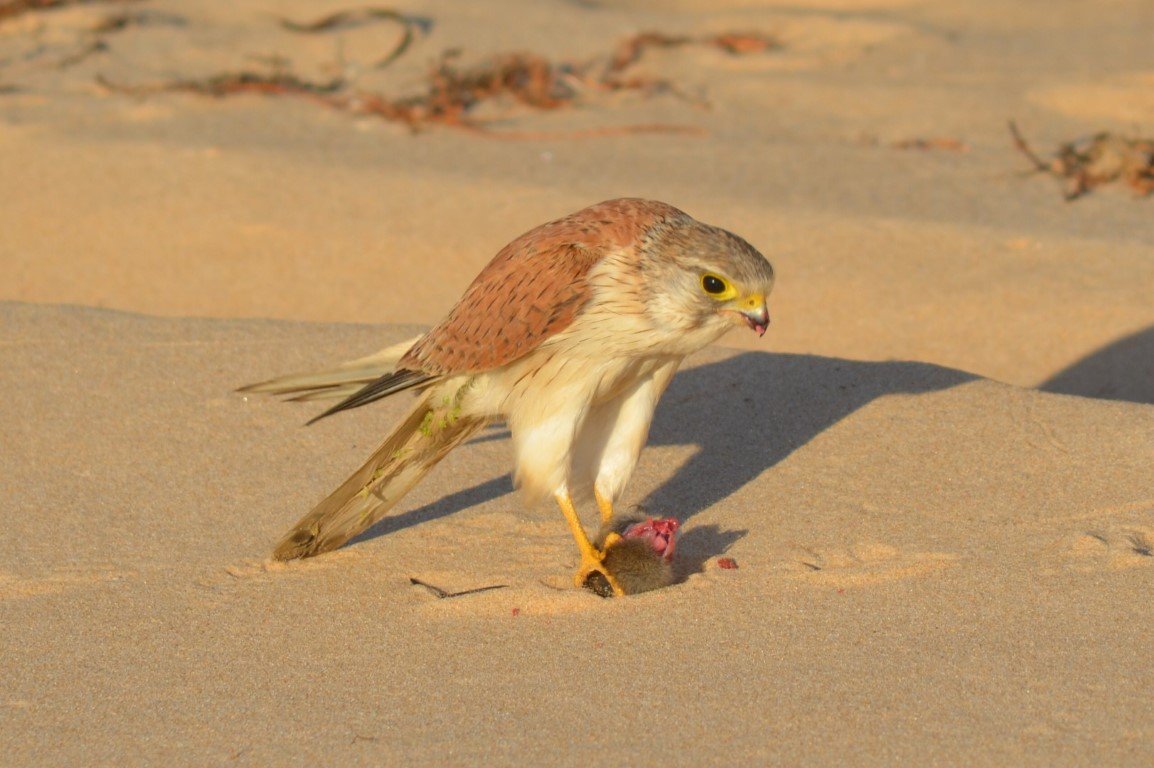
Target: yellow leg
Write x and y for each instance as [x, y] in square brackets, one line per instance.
[605, 505]
[591, 557]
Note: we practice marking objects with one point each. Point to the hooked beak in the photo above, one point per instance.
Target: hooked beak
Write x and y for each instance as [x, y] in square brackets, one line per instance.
[753, 312]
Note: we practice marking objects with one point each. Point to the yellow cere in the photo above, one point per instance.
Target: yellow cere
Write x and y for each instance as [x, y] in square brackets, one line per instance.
[753, 301]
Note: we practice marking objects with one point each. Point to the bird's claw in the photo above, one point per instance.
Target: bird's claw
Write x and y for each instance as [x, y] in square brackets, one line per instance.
[593, 575]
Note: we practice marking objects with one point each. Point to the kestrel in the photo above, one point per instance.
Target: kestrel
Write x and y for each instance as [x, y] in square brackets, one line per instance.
[570, 335]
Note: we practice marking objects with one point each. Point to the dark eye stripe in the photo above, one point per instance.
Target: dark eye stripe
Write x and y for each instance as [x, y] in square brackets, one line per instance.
[713, 284]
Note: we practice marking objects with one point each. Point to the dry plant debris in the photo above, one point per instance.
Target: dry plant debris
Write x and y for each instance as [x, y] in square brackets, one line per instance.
[229, 83]
[1104, 158]
[629, 51]
[453, 93]
[90, 41]
[945, 143]
[442, 594]
[916, 143]
[13, 8]
[411, 26]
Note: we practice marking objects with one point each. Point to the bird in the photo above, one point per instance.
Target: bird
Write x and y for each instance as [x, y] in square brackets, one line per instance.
[570, 336]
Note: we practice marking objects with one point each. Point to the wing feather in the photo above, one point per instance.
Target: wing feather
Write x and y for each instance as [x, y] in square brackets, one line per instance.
[534, 288]
[522, 298]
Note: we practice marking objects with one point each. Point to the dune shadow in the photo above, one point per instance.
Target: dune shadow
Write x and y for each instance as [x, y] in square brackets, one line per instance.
[744, 414]
[1123, 370]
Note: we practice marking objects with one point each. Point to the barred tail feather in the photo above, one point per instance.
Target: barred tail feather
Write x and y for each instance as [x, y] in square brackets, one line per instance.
[430, 430]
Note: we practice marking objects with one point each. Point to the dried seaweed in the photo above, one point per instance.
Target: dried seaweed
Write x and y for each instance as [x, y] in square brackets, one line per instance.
[88, 48]
[118, 22]
[276, 83]
[411, 26]
[944, 143]
[629, 51]
[1104, 158]
[12, 8]
[453, 93]
[90, 41]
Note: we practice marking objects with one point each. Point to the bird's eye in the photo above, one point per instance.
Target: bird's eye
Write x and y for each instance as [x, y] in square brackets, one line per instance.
[714, 285]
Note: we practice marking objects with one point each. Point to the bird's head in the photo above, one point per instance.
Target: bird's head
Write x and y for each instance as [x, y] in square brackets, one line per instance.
[738, 303]
[710, 279]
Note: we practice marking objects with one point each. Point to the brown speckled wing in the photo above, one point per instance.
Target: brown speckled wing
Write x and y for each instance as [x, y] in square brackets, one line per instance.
[534, 288]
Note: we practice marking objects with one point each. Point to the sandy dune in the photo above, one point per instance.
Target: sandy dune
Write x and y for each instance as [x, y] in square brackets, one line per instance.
[934, 472]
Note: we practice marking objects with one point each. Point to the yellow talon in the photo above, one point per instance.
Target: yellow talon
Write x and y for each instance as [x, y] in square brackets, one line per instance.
[593, 575]
[592, 559]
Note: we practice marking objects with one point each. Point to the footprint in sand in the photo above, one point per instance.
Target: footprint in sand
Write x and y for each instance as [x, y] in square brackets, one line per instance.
[1110, 548]
[255, 570]
[433, 591]
[864, 564]
[14, 586]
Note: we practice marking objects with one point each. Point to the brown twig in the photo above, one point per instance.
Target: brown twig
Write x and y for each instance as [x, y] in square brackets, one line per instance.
[1022, 146]
[442, 594]
[1089, 163]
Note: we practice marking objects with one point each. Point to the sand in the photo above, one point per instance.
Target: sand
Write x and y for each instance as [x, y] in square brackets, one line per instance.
[933, 473]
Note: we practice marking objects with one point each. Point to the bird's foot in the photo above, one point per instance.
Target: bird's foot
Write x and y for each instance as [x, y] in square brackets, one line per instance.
[593, 575]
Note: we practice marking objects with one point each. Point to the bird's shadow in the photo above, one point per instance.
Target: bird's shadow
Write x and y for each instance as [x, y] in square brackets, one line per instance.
[1122, 370]
[699, 544]
[744, 414]
[747, 413]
